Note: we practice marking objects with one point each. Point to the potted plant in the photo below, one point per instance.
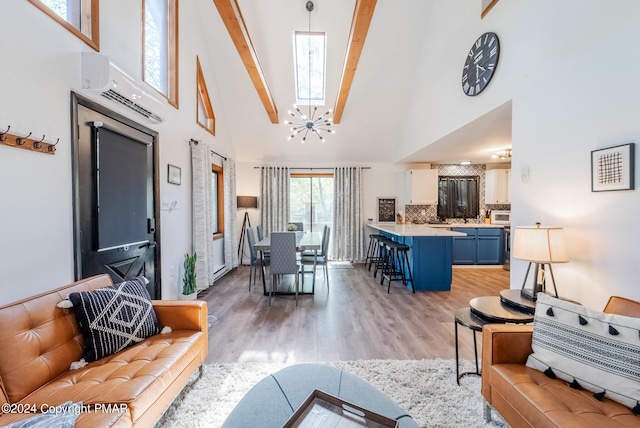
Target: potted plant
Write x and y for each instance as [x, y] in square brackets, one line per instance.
[292, 227]
[189, 290]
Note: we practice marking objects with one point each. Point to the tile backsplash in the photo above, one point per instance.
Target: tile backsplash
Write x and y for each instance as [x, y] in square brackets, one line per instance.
[414, 213]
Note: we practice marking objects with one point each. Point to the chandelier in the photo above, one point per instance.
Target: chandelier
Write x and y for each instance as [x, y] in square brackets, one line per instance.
[311, 123]
[505, 154]
[306, 123]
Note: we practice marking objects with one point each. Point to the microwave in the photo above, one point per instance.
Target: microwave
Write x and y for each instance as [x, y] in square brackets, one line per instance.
[501, 217]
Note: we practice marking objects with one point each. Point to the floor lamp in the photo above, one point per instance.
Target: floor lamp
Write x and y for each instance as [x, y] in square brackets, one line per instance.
[245, 202]
[539, 246]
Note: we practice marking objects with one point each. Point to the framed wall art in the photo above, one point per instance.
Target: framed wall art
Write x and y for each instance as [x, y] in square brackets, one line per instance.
[386, 210]
[174, 174]
[613, 168]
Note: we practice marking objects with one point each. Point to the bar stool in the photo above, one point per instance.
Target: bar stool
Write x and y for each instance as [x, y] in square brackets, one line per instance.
[381, 256]
[402, 251]
[372, 249]
[396, 265]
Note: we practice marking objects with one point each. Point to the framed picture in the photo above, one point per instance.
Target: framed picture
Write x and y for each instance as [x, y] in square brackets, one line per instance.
[386, 210]
[174, 174]
[613, 168]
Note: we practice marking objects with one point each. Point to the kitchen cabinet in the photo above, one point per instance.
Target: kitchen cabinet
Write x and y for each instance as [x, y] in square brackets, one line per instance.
[489, 246]
[421, 187]
[464, 247]
[497, 186]
[481, 246]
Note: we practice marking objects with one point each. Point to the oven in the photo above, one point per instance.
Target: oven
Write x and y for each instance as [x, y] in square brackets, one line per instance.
[506, 235]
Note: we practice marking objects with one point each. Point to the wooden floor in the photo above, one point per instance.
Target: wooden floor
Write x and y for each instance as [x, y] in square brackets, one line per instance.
[354, 319]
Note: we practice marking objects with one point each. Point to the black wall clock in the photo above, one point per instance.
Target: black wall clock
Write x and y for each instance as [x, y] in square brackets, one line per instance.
[480, 64]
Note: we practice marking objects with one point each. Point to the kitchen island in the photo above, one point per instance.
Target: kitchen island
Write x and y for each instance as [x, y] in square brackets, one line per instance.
[430, 254]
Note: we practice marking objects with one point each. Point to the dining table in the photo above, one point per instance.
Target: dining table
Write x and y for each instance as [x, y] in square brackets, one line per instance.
[305, 241]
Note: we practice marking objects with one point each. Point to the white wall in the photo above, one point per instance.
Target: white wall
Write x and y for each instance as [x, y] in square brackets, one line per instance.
[584, 99]
[570, 68]
[42, 64]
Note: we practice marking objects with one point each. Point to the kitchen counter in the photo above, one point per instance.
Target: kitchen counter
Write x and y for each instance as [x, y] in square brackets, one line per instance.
[466, 225]
[430, 253]
[416, 229]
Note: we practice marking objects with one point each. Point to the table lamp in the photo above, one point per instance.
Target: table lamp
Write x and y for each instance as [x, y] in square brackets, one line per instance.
[539, 246]
[245, 202]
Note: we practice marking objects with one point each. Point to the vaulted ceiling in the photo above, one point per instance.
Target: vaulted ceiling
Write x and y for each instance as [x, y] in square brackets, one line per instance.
[372, 59]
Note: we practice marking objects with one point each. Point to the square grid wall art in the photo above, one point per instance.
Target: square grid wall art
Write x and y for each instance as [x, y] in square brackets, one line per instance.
[613, 168]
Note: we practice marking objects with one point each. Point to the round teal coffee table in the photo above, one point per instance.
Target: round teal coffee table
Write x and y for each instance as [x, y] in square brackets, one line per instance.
[272, 401]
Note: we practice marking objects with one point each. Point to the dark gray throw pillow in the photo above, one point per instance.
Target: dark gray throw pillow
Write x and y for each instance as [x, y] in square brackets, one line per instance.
[115, 317]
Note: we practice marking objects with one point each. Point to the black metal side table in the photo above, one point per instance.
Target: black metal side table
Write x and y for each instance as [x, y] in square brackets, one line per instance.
[484, 310]
[493, 309]
[465, 318]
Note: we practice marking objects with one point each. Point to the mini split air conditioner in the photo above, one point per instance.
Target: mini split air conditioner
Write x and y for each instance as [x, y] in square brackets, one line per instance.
[102, 76]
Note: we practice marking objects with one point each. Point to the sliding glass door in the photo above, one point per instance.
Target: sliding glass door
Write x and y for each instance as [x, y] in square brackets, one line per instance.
[311, 200]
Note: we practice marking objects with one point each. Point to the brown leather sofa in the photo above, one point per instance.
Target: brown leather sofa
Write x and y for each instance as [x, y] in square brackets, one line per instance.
[525, 397]
[39, 341]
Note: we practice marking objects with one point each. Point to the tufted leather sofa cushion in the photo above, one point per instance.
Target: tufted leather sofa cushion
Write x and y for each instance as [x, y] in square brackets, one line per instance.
[546, 402]
[133, 376]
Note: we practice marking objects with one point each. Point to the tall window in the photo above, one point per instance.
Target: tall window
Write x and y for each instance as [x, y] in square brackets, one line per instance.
[160, 47]
[311, 200]
[81, 17]
[309, 52]
[204, 110]
[217, 201]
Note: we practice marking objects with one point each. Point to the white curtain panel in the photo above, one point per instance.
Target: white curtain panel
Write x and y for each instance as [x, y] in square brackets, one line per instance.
[274, 198]
[230, 213]
[348, 230]
[202, 218]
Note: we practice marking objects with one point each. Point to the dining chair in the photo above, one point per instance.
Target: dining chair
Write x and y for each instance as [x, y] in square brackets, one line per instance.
[320, 252]
[299, 226]
[255, 262]
[322, 258]
[265, 254]
[283, 259]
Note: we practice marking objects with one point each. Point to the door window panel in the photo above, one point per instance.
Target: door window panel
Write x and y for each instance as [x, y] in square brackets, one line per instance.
[311, 200]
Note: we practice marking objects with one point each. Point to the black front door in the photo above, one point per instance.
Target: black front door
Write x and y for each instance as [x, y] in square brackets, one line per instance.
[114, 166]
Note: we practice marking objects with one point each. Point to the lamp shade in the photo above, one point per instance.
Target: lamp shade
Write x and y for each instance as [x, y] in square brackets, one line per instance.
[247, 202]
[540, 244]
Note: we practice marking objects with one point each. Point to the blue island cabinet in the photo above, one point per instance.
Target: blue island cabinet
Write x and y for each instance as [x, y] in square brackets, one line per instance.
[430, 261]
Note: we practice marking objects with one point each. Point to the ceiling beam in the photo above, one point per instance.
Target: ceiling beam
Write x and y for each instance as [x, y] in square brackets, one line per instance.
[232, 18]
[362, 15]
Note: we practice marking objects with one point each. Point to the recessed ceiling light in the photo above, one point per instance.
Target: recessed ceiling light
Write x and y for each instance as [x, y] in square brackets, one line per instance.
[465, 163]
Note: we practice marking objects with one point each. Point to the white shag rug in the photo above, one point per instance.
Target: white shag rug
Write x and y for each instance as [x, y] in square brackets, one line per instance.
[426, 389]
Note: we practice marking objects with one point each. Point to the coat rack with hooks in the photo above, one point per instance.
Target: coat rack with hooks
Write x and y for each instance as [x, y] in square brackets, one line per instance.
[33, 144]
